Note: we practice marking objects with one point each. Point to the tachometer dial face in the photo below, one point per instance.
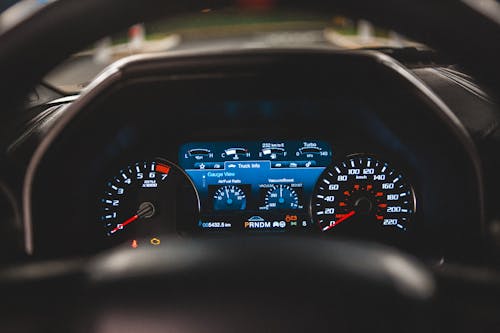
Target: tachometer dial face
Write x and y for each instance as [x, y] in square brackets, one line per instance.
[142, 200]
[230, 197]
[365, 193]
[282, 197]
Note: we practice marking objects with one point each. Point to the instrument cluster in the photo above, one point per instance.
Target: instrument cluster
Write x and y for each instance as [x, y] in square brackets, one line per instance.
[256, 187]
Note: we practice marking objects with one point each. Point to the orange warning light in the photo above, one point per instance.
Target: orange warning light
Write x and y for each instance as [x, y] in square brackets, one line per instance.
[290, 218]
[162, 168]
[134, 244]
[155, 241]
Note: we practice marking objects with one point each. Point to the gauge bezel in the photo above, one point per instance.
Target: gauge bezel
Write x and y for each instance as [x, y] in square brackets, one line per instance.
[186, 176]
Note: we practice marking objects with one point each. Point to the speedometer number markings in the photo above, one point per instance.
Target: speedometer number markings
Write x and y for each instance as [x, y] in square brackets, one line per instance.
[363, 190]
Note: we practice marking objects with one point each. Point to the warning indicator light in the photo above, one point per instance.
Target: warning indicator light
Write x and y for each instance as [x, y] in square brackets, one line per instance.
[155, 241]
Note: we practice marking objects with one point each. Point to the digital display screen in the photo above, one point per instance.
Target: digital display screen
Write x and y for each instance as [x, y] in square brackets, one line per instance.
[255, 185]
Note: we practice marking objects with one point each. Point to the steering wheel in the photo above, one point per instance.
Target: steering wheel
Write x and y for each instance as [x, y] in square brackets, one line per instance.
[235, 284]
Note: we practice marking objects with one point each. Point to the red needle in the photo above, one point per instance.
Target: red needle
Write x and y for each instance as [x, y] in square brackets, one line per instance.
[122, 225]
[340, 220]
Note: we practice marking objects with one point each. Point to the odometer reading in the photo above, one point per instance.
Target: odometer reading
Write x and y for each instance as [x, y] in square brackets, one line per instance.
[365, 191]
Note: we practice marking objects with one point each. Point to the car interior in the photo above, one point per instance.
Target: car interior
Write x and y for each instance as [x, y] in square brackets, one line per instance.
[262, 166]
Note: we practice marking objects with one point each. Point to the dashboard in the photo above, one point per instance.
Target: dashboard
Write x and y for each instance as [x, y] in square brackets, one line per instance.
[237, 144]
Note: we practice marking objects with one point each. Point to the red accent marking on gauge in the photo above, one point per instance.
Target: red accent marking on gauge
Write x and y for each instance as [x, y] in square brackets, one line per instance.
[379, 194]
[369, 187]
[162, 168]
[380, 218]
[383, 205]
[342, 204]
[122, 225]
[356, 187]
[340, 220]
[347, 193]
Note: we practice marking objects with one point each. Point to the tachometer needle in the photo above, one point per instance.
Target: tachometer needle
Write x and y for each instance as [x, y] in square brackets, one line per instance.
[146, 210]
[340, 220]
[122, 225]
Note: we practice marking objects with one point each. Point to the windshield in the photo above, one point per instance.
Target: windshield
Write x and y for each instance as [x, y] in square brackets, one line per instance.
[222, 29]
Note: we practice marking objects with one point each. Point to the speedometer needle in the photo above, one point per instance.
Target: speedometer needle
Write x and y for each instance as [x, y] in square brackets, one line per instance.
[340, 220]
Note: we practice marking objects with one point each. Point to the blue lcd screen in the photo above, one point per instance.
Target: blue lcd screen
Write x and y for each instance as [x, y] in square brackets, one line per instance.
[255, 185]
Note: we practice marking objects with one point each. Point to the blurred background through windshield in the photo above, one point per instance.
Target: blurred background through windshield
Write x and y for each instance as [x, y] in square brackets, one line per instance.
[244, 26]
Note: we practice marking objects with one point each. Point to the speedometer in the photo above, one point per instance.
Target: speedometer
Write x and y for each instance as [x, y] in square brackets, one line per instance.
[363, 192]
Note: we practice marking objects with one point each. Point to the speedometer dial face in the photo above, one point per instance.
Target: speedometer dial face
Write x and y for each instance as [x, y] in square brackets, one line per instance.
[142, 200]
[363, 192]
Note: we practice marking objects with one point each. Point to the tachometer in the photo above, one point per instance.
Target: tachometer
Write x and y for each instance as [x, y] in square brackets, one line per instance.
[142, 200]
[364, 192]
